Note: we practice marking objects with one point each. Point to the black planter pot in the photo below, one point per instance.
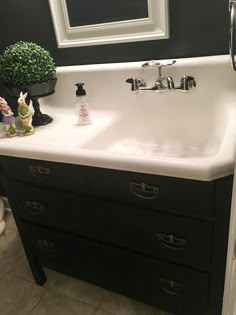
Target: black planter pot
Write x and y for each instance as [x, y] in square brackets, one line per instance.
[35, 91]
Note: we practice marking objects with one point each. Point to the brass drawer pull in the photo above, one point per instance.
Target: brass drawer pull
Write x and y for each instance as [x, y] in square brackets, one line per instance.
[39, 171]
[144, 191]
[171, 287]
[46, 245]
[172, 242]
[34, 207]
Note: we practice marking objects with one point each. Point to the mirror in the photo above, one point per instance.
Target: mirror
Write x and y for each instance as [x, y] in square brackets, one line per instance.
[92, 22]
[79, 12]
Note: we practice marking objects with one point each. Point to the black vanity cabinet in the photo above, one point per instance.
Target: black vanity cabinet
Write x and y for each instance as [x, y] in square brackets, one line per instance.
[2, 181]
[157, 239]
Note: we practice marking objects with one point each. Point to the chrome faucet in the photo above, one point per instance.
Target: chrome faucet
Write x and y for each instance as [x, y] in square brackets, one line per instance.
[163, 83]
[159, 84]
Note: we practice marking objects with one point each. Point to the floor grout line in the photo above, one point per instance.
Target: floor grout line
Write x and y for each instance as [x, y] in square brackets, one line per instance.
[22, 278]
[107, 312]
[102, 299]
[96, 311]
[4, 276]
[70, 297]
[36, 304]
[56, 291]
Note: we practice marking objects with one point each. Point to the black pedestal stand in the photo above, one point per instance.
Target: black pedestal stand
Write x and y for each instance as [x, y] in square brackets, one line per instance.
[39, 119]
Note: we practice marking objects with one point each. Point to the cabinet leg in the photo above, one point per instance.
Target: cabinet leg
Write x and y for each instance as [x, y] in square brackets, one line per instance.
[36, 269]
[35, 266]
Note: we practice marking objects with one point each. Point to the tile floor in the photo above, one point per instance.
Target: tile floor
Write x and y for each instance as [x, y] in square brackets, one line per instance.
[61, 295]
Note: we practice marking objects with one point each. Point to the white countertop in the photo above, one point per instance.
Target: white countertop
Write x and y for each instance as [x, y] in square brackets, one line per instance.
[64, 141]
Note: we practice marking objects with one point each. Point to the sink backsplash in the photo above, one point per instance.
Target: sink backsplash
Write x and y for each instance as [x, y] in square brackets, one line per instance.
[107, 89]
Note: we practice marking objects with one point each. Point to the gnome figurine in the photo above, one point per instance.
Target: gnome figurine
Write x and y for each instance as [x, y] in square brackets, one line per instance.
[8, 118]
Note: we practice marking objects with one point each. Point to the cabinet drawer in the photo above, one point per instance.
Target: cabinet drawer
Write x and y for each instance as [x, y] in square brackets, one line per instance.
[176, 239]
[182, 196]
[51, 174]
[164, 285]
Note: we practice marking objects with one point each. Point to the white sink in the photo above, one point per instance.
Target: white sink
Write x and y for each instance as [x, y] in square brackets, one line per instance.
[190, 135]
[164, 136]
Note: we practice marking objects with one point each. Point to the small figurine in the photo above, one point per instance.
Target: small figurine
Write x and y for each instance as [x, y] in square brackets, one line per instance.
[8, 118]
[25, 115]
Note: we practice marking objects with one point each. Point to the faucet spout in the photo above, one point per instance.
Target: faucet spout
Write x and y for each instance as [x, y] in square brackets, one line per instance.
[169, 83]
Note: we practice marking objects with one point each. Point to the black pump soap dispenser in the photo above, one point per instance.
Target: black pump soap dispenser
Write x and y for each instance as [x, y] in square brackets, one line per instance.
[81, 105]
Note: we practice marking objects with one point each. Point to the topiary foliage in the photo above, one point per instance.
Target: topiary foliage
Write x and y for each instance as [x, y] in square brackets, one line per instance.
[26, 63]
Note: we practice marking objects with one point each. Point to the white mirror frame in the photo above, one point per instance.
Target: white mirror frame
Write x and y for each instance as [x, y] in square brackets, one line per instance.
[153, 27]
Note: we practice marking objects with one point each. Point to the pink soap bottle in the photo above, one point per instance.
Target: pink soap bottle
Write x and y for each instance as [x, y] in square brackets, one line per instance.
[81, 105]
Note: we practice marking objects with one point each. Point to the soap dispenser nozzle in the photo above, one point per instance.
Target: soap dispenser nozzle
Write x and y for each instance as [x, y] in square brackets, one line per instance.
[80, 90]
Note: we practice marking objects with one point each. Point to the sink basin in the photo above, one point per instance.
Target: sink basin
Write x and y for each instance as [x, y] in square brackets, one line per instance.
[163, 137]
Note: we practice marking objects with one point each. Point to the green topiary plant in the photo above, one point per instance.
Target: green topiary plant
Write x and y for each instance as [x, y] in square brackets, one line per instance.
[27, 67]
[26, 63]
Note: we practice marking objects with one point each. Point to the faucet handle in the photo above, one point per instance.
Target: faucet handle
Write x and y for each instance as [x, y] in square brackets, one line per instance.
[136, 83]
[187, 84]
[158, 64]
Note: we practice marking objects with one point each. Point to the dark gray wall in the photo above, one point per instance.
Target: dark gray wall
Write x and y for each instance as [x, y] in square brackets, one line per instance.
[198, 28]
